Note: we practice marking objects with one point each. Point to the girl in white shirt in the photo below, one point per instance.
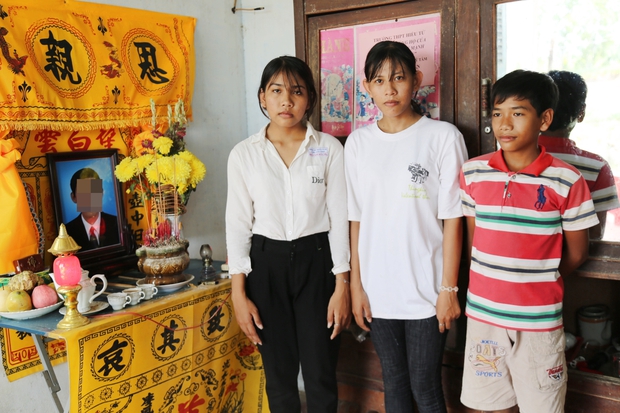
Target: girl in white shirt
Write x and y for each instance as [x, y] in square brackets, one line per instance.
[406, 230]
[288, 242]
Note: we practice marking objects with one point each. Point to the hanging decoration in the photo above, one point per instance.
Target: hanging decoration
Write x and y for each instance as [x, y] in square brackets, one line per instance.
[78, 76]
[68, 65]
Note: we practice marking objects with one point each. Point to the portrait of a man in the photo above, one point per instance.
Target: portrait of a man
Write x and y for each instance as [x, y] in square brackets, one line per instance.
[88, 200]
[92, 227]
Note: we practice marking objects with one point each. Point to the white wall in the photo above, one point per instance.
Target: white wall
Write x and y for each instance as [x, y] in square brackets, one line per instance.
[261, 44]
[231, 52]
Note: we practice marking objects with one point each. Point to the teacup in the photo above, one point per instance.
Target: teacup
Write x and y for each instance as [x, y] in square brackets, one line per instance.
[136, 294]
[149, 290]
[118, 301]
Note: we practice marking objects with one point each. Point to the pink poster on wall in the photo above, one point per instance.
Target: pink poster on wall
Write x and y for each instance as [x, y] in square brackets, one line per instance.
[422, 35]
[337, 60]
[345, 104]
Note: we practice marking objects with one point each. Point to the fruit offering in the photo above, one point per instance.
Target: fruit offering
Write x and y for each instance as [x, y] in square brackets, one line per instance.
[26, 291]
[43, 296]
[25, 281]
[4, 293]
[18, 300]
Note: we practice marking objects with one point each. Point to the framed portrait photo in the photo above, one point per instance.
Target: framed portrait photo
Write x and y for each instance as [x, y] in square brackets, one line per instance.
[88, 199]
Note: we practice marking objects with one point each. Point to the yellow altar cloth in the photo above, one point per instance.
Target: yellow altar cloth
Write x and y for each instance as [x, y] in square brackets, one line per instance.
[20, 357]
[77, 76]
[180, 353]
[69, 65]
[15, 208]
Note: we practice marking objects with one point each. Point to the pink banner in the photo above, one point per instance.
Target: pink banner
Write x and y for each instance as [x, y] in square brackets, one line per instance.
[337, 60]
[345, 105]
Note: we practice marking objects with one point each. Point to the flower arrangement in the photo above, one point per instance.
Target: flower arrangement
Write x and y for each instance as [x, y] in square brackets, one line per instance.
[164, 172]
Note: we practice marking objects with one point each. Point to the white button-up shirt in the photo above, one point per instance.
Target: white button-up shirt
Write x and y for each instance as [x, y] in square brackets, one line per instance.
[267, 198]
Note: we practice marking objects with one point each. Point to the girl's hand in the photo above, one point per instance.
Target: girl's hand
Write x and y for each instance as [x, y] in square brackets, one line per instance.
[339, 308]
[246, 312]
[247, 317]
[360, 305]
[448, 309]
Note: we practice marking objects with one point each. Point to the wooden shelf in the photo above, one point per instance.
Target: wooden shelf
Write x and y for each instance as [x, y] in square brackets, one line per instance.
[589, 392]
[603, 262]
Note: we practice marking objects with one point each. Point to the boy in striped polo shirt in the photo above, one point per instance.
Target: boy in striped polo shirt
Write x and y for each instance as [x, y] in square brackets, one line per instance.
[528, 215]
[571, 109]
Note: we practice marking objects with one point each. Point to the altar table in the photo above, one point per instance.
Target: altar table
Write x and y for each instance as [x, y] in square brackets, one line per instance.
[178, 352]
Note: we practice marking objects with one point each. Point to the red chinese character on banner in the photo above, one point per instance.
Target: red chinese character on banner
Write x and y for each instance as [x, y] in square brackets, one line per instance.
[78, 143]
[192, 405]
[56, 346]
[23, 355]
[48, 139]
[106, 138]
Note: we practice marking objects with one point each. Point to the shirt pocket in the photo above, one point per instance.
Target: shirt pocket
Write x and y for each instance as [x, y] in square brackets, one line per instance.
[315, 178]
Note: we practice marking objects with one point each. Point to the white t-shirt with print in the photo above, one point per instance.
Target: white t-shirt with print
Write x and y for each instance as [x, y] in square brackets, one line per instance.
[400, 188]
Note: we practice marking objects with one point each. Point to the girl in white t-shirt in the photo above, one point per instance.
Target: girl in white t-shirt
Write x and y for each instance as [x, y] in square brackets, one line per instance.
[406, 231]
[287, 236]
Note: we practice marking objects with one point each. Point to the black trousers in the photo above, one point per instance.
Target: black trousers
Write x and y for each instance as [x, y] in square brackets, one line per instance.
[291, 284]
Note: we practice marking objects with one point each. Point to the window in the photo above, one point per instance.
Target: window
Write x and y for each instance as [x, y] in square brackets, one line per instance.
[578, 36]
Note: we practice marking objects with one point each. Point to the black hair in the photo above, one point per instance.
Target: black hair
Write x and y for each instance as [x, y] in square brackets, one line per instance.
[294, 69]
[572, 98]
[536, 87]
[82, 174]
[398, 55]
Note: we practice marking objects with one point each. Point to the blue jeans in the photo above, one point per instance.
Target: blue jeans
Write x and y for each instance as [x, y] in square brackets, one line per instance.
[410, 352]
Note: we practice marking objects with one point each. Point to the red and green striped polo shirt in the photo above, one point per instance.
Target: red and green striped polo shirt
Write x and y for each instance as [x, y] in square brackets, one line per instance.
[520, 216]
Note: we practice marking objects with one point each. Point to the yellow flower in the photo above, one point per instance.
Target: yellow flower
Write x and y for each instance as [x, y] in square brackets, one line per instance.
[143, 143]
[126, 169]
[198, 169]
[182, 172]
[152, 173]
[163, 145]
[159, 164]
[171, 170]
[143, 161]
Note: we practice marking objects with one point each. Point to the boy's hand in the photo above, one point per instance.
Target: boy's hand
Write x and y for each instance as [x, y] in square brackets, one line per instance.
[574, 251]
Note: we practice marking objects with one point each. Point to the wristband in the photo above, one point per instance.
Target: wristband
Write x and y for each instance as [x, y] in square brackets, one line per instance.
[448, 289]
[343, 280]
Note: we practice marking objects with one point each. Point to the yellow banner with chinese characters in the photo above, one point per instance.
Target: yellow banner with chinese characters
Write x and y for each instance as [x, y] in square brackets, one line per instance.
[68, 65]
[20, 357]
[182, 353]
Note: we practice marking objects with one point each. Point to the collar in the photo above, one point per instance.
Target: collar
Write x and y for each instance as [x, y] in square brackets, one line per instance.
[555, 142]
[97, 223]
[542, 162]
[261, 137]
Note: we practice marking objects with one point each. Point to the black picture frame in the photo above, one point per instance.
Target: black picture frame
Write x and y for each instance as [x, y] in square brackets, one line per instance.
[62, 166]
